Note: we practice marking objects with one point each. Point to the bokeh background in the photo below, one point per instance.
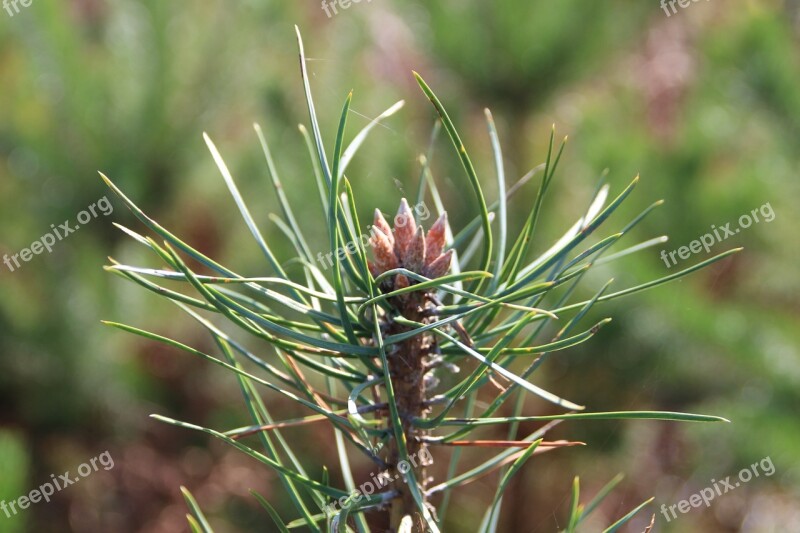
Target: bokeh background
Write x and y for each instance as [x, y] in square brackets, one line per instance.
[703, 103]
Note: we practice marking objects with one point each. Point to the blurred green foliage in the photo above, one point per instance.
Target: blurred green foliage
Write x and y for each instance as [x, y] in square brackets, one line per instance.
[14, 464]
[704, 104]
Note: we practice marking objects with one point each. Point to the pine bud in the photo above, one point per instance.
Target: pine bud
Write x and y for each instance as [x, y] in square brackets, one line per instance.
[414, 256]
[404, 228]
[440, 266]
[434, 242]
[382, 249]
[380, 223]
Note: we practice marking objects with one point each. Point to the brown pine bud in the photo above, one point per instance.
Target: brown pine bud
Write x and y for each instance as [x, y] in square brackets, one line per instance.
[383, 251]
[373, 269]
[380, 223]
[440, 266]
[401, 281]
[414, 255]
[434, 242]
[404, 228]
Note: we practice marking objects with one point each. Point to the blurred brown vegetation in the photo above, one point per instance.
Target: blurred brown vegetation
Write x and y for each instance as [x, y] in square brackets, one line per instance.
[704, 104]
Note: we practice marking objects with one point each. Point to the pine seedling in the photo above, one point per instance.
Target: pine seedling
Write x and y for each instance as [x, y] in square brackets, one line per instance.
[396, 343]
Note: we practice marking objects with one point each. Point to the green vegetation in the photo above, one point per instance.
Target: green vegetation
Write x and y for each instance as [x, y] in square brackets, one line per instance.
[702, 105]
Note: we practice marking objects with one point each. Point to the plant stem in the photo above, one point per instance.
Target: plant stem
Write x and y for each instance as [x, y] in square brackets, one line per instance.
[407, 367]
